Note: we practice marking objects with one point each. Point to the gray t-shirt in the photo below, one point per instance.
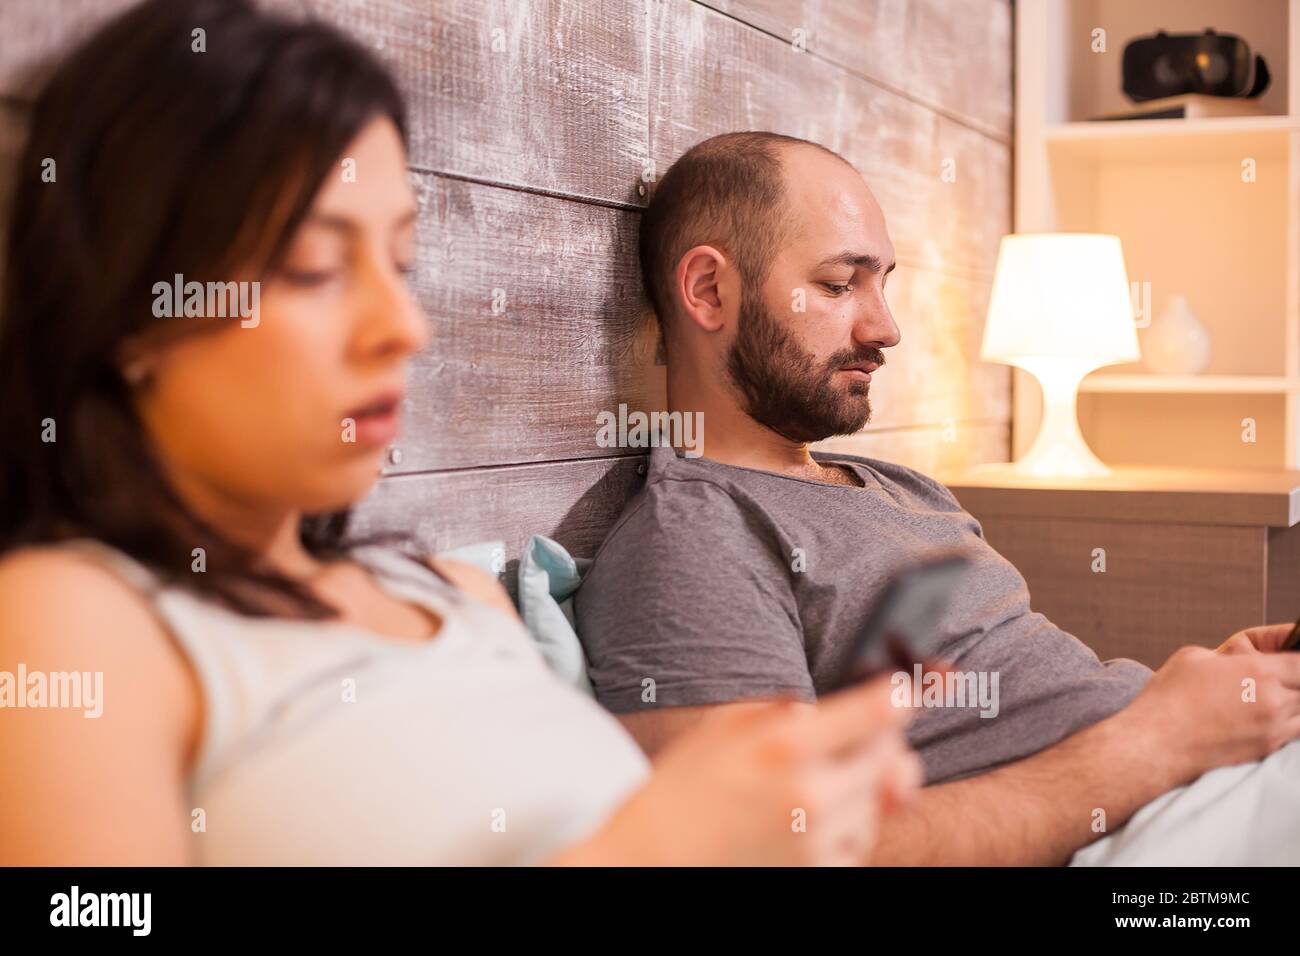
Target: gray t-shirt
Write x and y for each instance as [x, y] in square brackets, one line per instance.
[720, 583]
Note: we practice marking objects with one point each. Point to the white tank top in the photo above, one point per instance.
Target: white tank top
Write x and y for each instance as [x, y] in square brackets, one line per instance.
[324, 743]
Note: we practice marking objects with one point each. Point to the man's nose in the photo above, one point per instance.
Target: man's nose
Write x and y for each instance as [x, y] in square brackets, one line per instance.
[876, 325]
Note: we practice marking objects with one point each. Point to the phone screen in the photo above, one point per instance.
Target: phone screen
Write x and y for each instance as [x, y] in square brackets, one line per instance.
[903, 627]
[1292, 642]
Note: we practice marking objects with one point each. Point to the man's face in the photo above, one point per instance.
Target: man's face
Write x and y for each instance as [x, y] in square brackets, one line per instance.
[807, 341]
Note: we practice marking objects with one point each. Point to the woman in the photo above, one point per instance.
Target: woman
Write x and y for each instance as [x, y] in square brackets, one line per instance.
[173, 496]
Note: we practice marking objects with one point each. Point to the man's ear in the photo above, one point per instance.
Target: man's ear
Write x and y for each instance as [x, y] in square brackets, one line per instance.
[699, 279]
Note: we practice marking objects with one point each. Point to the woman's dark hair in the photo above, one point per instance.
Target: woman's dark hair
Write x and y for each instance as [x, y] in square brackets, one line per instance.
[167, 160]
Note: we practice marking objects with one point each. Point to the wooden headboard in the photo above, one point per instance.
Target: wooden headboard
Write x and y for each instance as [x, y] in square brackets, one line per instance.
[538, 127]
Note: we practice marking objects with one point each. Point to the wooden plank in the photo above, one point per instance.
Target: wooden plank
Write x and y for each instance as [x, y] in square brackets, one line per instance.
[953, 54]
[540, 93]
[934, 375]
[547, 94]
[573, 502]
[1164, 586]
[711, 74]
[570, 339]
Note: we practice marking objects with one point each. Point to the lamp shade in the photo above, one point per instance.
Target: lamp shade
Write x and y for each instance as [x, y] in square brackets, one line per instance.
[1060, 295]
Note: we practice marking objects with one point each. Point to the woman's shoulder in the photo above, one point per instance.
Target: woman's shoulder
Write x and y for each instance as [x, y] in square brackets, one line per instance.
[57, 600]
[50, 574]
[84, 644]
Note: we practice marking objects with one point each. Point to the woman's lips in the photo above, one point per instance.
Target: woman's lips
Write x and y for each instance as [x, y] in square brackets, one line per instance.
[378, 423]
[378, 429]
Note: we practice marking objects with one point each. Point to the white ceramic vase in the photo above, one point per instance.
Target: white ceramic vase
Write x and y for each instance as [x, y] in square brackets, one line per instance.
[1177, 343]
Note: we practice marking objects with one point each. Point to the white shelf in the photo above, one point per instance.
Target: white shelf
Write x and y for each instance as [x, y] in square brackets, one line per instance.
[1139, 382]
[1166, 140]
[1196, 216]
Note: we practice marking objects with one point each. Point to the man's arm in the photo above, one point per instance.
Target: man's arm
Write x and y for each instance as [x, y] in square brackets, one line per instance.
[1039, 810]
[1191, 717]
[689, 604]
[1036, 811]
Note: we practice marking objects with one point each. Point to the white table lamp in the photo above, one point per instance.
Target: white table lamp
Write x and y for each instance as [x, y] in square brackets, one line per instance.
[1060, 308]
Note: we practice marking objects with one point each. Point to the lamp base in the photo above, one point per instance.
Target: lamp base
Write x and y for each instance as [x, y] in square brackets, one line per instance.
[1059, 450]
[1061, 460]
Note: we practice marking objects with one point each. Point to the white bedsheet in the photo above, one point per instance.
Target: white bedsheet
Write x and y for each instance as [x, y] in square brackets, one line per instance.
[1248, 814]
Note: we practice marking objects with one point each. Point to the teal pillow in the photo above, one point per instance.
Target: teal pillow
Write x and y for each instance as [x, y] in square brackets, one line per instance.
[489, 556]
[548, 576]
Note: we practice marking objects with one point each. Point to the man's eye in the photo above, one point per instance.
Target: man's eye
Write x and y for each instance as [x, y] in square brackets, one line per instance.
[835, 289]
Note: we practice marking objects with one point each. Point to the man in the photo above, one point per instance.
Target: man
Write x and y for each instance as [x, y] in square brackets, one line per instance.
[746, 573]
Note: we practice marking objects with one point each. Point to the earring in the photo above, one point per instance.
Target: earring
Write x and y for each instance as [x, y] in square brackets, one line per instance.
[136, 373]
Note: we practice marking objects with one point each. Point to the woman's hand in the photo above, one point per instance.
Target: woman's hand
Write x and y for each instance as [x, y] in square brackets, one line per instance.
[780, 782]
[1262, 639]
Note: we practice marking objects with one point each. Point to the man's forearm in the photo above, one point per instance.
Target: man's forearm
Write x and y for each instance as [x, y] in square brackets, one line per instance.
[1040, 810]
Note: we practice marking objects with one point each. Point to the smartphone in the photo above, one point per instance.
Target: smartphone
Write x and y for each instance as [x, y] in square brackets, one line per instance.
[1292, 642]
[902, 628]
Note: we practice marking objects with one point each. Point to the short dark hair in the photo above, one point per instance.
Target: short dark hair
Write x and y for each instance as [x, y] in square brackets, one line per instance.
[727, 191]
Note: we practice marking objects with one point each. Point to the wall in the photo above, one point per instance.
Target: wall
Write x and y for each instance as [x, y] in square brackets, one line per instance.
[534, 123]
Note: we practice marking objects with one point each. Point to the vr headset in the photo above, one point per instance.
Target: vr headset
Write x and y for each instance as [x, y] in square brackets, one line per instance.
[1171, 64]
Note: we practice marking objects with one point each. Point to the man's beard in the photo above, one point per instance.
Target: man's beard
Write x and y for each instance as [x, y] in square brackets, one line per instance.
[785, 388]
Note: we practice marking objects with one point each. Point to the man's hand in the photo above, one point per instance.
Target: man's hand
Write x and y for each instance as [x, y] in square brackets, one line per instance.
[1201, 710]
[1238, 704]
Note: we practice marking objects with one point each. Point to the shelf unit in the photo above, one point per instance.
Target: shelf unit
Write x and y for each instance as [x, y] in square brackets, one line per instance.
[1136, 382]
[1206, 208]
